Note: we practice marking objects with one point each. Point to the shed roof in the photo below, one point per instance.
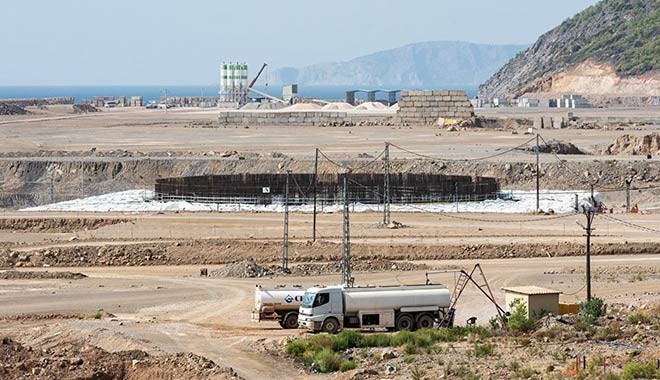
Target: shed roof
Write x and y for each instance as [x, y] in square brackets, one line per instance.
[530, 290]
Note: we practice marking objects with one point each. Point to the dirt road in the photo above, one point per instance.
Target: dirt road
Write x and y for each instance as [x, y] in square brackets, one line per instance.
[173, 309]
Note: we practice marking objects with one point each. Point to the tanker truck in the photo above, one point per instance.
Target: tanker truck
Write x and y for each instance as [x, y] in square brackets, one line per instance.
[279, 304]
[409, 307]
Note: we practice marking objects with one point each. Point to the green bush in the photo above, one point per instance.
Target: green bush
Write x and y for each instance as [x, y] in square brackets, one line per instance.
[592, 310]
[347, 365]
[518, 320]
[402, 337]
[327, 360]
[633, 370]
[485, 349]
[425, 338]
[317, 348]
[374, 340]
[417, 373]
[410, 348]
[638, 317]
[345, 339]
[296, 348]
[321, 341]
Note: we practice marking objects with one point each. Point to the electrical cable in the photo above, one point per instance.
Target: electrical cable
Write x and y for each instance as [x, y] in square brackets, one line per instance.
[463, 159]
[629, 224]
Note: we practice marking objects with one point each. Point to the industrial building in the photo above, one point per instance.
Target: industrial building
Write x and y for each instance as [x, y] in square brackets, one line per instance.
[539, 301]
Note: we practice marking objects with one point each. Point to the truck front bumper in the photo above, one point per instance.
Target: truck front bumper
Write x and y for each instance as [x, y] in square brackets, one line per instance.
[309, 324]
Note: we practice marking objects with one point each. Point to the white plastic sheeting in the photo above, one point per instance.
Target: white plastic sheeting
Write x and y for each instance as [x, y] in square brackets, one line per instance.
[142, 201]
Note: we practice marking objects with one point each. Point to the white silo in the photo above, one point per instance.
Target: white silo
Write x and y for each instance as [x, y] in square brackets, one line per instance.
[223, 82]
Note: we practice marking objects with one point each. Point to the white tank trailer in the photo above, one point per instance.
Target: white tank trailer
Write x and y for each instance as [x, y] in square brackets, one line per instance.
[330, 309]
[279, 304]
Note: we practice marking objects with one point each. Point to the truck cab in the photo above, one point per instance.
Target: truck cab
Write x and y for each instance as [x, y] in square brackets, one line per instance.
[322, 309]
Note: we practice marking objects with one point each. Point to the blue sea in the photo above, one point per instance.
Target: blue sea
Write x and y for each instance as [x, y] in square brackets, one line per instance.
[156, 92]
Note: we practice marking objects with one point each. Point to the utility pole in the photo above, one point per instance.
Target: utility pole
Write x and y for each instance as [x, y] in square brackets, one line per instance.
[346, 273]
[538, 174]
[590, 213]
[285, 245]
[316, 173]
[628, 183]
[386, 186]
[52, 186]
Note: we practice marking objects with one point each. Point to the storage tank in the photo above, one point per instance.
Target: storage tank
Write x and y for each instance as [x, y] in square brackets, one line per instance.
[223, 81]
[278, 298]
[395, 297]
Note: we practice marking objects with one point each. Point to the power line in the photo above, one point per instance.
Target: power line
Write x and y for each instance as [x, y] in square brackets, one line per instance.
[629, 224]
[340, 165]
[447, 215]
[464, 159]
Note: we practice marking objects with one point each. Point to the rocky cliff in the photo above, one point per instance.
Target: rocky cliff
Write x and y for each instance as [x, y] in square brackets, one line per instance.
[610, 48]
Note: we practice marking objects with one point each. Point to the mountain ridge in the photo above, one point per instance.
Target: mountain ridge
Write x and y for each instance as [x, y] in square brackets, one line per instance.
[422, 64]
[622, 36]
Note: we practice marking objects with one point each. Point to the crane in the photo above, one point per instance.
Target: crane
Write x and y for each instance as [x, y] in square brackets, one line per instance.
[257, 77]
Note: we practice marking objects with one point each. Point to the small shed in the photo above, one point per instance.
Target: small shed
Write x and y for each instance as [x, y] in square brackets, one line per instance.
[539, 300]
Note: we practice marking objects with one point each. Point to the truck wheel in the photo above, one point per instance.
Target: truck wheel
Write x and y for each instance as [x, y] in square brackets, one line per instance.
[405, 321]
[330, 326]
[290, 321]
[425, 321]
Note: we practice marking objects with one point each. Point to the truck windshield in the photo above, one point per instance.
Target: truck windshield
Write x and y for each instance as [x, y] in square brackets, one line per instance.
[308, 299]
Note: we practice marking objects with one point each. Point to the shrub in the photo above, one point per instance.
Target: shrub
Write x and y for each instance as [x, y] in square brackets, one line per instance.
[592, 310]
[345, 339]
[374, 340]
[347, 366]
[327, 360]
[402, 337]
[485, 349]
[425, 337]
[98, 314]
[494, 323]
[410, 348]
[634, 370]
[609, 333]
[417, 373]
[296, 348]
[321, 341]
[518, 320]
[638, 317]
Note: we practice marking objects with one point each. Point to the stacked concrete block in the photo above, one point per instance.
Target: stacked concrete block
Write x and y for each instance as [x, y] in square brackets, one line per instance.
[302, 118]
[426, 107]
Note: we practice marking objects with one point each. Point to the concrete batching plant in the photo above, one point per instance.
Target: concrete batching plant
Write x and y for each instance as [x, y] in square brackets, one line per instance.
[234, 83]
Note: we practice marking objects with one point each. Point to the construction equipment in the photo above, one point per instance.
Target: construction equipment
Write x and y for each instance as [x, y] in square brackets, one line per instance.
[407, 307]
[258, 75]
[463, 279]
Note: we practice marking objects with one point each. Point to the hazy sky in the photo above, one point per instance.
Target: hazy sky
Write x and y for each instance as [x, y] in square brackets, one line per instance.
[79, 42]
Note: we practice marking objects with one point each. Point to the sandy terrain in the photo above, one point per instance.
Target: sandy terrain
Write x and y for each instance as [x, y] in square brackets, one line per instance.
[188, 130]
[144, 269]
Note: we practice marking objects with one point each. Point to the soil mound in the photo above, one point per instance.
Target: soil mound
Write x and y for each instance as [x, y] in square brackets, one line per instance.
[250, 269]
[242, 269]
[371, 106]
[558, 147]
[57, 224]
[635, 145]
[84, 108]
[302, 107]
[9, 109]
[31, 275]
[337, 106]
[81, 361]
